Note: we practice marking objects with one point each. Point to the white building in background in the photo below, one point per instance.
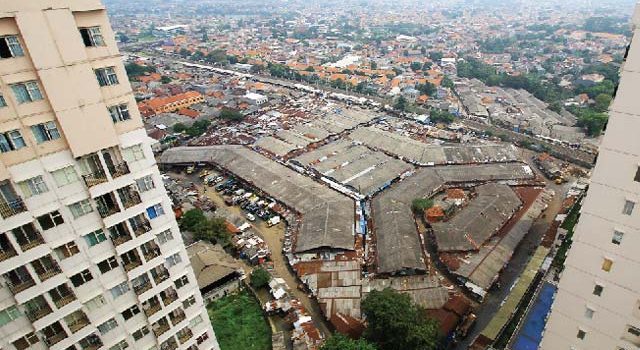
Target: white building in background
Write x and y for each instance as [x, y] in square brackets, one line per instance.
[598, 301]
[90, 252]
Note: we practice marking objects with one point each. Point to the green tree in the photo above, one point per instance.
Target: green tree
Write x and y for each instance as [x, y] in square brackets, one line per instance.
[436, 56]
[260, 278]
[427, 88]
[395, 323]
[447, 82]
[165, 79]
[340, 342]
[419, 205]
[401, 104]
[135, 70]
[310, 69]
[231, 114]
[602, 102]
[179, 127]
[198, 128]
[438, 116]
[374, 65]
[416, 66]
[184, 53]
[192, 218]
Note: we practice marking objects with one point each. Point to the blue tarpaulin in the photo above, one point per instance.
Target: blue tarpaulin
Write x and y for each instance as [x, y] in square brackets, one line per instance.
[530, 334]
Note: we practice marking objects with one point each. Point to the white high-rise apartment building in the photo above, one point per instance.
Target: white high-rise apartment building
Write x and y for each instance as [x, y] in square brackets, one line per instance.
[90, 253]
[597, 306]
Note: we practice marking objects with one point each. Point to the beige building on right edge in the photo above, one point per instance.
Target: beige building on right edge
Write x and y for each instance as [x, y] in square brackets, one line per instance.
[597, 306]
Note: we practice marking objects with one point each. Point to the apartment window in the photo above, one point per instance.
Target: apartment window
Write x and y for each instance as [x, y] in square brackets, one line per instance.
[96, 303]
[26, 341]
[188, 302]
[145, 183]
[119, 113]
[65, 176]
[105, 327]
[173, 259]
[92, 36]
[50, 220]
[3, 102]
[9, 314]
[133, 153]
[617, 237]
[33, 186]
[10, 47]
[45, 132]
[628, 207]
[607, 264]
[107, 265]
[165, 236]
[80, 208]
[119, 290]
[95, 237]
[140, 333]
[181, 282]
[597, 290]
[27, 92]
[106, 76]
[81, 278]
[634, 331]
[130, 312]
[11, 141]
[581, 334]
[588, 313]
[67, 250]
[120, 345]
[155, 211]
[202, 338]
[195, 321]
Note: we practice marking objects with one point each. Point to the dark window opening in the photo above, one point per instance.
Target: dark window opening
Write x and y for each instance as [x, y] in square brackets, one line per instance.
[86, 37]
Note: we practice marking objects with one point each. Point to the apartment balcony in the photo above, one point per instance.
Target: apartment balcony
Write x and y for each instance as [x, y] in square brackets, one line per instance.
[141, 288]
[151, 253]
[6, 248]
[177, 316]
[119, 234]
[64, 300]
[118, 170]
[78, 320]
[140, 224]
[170, 344]
[12, 207]
[46, 268]
[107, 205]
[6, 254]
[37, 308]
[160, 274]
[151, 307]
[27, 236]
[19, 280]
[168, 296]
[91, 342]
[55, 338]
[129, 197]
[160, 328]
[120, 239]
[132, 264]
[184, 335]
[95, 178]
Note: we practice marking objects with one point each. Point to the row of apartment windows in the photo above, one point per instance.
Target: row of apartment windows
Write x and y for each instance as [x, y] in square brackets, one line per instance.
[10, 45]
[12, 140]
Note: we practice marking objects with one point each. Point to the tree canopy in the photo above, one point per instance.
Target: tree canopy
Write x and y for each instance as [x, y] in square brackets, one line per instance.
[210, 229]
[395, 323]
[340, 342]
[135, 70]
[231, 114]
[260, 278]
[419, 205]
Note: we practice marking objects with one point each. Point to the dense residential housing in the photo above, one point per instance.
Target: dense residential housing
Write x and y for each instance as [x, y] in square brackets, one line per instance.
[170, 104]
[598, 300]
[91, 256]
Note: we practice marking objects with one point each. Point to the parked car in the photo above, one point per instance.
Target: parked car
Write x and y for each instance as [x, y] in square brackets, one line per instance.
[250, 217]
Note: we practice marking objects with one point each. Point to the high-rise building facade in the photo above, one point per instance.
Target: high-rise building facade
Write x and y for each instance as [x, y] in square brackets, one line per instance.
[90, 252]
[598, 301]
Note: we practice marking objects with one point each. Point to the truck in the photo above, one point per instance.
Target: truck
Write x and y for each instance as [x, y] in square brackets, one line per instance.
[273, 221]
